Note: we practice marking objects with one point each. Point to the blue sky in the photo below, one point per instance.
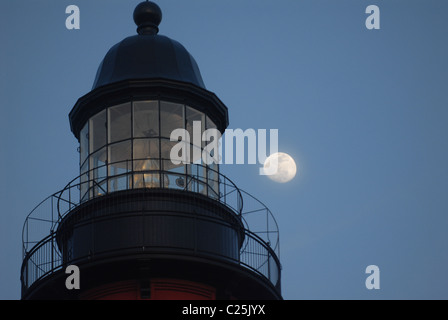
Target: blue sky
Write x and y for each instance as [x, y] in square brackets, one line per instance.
[363, 112]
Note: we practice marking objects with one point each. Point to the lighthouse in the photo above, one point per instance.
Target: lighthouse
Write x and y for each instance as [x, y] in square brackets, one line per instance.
[134, 223]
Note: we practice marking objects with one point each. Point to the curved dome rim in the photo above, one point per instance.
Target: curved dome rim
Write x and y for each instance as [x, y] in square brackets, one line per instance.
[167, 59]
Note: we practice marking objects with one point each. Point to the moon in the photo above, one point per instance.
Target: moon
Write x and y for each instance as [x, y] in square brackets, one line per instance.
[286, 169]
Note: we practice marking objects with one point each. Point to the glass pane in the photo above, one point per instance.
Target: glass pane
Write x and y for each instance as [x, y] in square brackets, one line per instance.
[146, 148]
[97, 128]
[174, 176]
[176, 151]
[84, 143]
[214, 168]
[195, 154]
[100, 188]
[98, 159]
[119, 122]
[147, 165]
[210, 124]
[146, 119]
[195, 125]
[120, 165]
[212, 177]
[120, 182]
[146, 158]
[165, 148]
[196, 181]
[148, 180]
[120, 158]
[84, 181]
[212, 152]
[171, 117]
[85, 168]
[98, 173]
[190, 180]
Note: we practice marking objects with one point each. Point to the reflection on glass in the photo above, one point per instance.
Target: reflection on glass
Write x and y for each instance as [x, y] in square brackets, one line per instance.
[195, 154]
[84, 143]
[171, 118]
[194, 117]
[146, 119]
[150, 178]
[119, 156]
[213, 183]
[144, 148]
[98, 159]
[146, 158]
[120, 182]
[210, 124]
[196, 179]
[84, 180]
[174, 175]
[99, 172]
[119, 122]
[169, 179]
[97, 130]
[128, 146]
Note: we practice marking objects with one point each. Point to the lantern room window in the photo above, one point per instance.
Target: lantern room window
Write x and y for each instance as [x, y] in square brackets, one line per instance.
[128, 146]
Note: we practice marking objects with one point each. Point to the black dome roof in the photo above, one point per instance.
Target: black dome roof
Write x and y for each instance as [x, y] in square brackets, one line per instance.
[147, 66]
[148, 55]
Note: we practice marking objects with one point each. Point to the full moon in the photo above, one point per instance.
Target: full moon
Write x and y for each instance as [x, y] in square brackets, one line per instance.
[286, 170]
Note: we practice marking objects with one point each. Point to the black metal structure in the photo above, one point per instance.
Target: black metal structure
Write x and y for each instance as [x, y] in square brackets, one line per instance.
[133, 220]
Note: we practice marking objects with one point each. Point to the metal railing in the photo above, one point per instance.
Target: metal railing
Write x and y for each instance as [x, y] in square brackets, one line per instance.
[45, 258]
[259, 251]
[43, 219]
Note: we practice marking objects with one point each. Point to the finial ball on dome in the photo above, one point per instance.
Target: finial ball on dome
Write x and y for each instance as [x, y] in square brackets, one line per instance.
[147, 17]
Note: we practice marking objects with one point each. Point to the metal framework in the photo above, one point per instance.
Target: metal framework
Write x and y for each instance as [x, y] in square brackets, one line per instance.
[259, 252]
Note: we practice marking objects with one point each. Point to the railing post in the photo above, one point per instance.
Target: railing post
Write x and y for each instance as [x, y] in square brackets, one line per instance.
[70, 197]
[269, 265]
[52, 250]
[26, 275]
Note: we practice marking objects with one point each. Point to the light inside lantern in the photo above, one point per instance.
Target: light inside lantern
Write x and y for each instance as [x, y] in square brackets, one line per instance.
[128, 146]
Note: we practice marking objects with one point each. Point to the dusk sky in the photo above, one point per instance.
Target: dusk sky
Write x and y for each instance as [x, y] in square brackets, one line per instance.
[364, 114]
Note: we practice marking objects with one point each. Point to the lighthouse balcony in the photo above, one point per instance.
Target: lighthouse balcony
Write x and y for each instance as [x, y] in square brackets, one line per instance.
[186, 217]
